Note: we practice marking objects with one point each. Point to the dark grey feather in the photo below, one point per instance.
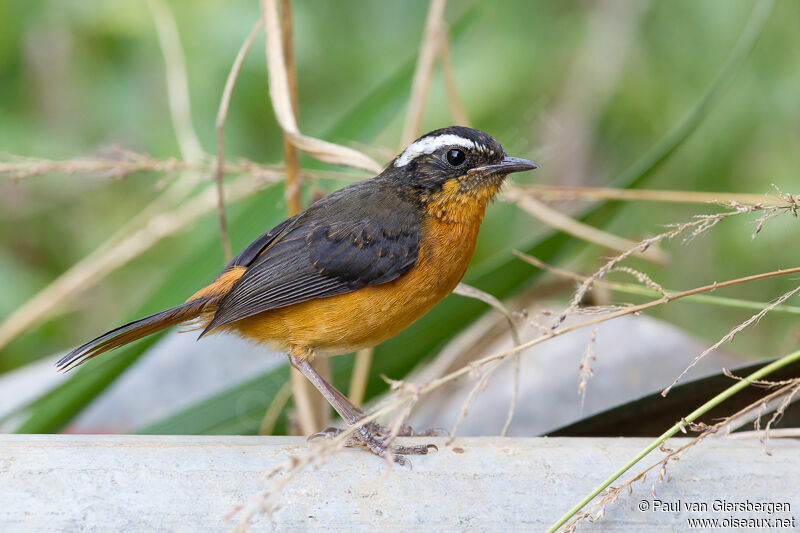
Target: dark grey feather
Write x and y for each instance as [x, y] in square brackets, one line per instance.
[365, 234]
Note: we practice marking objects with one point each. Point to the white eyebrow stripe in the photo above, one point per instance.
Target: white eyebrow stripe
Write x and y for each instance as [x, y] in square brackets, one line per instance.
[428, 145]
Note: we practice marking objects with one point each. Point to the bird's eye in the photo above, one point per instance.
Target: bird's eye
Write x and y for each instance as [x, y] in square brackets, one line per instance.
[456, 157]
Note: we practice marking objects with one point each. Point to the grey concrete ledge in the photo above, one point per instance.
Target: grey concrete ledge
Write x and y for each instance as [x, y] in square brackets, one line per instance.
[187, 483]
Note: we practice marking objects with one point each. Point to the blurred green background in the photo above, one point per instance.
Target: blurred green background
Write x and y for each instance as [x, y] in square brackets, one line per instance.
[77, 77]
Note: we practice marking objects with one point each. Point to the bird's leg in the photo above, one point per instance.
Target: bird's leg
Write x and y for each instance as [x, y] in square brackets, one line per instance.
[357, 414]
[370, 436]
[374, 427]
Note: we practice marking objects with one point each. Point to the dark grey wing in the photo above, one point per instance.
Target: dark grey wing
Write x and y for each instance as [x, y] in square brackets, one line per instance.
[348, 240]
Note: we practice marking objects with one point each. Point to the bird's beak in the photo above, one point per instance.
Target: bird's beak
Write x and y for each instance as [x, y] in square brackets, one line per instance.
[508, 165]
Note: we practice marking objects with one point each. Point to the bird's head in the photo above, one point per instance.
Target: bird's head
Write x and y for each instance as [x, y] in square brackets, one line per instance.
[455, 164]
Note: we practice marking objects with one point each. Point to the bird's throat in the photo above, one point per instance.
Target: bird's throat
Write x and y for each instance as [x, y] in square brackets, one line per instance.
[461, 202]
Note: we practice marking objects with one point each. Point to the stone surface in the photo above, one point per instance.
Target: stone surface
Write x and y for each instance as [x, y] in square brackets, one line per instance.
[176, 483]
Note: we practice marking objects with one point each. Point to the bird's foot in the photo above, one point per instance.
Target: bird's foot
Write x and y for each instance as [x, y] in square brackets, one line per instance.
[377, 439]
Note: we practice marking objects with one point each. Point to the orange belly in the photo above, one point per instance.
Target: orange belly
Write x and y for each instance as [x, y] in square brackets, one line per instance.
[368, 316]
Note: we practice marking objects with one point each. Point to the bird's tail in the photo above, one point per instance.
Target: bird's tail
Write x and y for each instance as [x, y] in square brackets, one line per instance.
[132, 332]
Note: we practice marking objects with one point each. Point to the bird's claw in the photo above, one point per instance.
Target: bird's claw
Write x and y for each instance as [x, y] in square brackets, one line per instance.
[327, 433]
[377, 439]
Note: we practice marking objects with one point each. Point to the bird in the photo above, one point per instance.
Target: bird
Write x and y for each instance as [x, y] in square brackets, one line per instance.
[357, 267]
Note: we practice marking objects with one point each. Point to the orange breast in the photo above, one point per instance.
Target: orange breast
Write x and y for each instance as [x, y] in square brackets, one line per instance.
[368, 316]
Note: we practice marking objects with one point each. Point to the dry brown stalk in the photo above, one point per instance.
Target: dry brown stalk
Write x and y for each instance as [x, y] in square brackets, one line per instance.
[180, 111]
[453, 99]
[22, 168]
[396, 425]
[557, 193]
[312, 409]
[290, 155]
[512, 406]
[177, 80]
[360, 375]
[431, 41]
[556, 219]
[282, 105]
[322, 409]
[732, 333]
[642, 278]
[275, 409]
[788, 203]
[613, 285]
[222, 115]
[585, 368]
[480, 384]
[304, 404]
[130, 163]
[699, 225]
[281, 90]
[759, 382]
[481, 336]
[538, 263]
[468, 291]
[791, 396]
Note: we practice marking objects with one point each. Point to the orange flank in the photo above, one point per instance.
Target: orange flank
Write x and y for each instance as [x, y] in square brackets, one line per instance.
[221, 285]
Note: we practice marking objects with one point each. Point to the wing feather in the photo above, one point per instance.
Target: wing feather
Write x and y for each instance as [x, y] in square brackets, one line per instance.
[353, 238]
